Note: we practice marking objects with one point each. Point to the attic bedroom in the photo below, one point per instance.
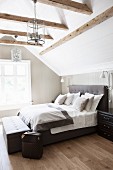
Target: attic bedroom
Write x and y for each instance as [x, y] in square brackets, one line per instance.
[56, 85]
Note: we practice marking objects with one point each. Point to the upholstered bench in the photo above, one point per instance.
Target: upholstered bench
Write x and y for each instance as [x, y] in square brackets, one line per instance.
[13, 128]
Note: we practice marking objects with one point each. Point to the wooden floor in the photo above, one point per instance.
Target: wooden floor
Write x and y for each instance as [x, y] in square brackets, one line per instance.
[84, 153]
[4, 158]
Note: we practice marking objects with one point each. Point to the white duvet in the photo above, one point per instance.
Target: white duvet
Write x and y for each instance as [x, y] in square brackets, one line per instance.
[81, 120]
[41, 113]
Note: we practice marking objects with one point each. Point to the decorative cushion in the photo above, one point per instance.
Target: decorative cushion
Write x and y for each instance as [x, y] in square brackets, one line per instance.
[89, 94]
[89, 103]
[96, 100]
[80, 103]
[75, 95]
[69, 99]
[60, 99]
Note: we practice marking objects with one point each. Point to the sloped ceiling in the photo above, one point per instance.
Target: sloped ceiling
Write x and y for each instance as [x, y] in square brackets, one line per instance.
[90, 51]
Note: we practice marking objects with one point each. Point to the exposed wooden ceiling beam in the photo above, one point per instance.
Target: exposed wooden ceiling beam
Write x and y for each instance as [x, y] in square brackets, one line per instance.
[18, 33]
[41, 22]
[94, 22]
[15, 42]
[68, 5]
[49, 37]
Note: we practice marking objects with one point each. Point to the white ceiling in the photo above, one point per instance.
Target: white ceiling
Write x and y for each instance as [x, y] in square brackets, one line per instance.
[84, 53]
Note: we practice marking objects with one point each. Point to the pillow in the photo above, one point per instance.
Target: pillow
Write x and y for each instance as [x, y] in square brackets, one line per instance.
[89, 95]
[69, 99]
[96, 101]
[75, 95]
[80, 103]
[60, 99]
[89, 103]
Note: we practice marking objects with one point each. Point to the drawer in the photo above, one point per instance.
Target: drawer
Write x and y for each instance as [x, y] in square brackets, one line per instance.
[106, 127]
[106, 134]
[105, 118]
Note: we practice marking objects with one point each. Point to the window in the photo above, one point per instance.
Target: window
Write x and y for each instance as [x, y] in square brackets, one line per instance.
[15, 83]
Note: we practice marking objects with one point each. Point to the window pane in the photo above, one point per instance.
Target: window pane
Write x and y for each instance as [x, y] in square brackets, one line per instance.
[9, 90]
[14, 83]
[0, 92]
[0, 70]
[0, 84]
[8, 69]
[21, 89]
[1, 95]
[20, 69]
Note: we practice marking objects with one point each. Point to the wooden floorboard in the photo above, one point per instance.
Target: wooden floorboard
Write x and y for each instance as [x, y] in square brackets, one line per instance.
[90, 152]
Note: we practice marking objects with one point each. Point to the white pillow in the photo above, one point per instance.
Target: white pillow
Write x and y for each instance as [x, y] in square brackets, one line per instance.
[89, 103]
[89, 94]
[69, 99]
[75, 95]
[60, 99]
[96, 101]
[80, 103]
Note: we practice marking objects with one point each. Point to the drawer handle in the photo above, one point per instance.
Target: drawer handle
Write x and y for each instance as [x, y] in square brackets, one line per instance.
[107, 134]
[106, 126]
[106, 118]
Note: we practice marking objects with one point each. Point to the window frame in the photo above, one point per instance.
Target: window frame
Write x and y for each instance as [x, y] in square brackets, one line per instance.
[28, 76]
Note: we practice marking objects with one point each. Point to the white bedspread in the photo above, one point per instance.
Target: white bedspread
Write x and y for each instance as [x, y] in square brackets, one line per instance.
[81, 120]
[41, 113]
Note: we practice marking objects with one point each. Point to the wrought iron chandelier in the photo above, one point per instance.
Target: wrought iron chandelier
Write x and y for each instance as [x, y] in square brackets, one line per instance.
[35, 32]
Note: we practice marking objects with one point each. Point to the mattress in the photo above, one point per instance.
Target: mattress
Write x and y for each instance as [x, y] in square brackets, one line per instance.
[81, 120]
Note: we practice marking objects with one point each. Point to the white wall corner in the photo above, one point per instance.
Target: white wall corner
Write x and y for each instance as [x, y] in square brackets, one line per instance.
[35, 52]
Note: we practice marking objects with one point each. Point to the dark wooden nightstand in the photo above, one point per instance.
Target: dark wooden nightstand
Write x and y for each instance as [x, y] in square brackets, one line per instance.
[105, 124]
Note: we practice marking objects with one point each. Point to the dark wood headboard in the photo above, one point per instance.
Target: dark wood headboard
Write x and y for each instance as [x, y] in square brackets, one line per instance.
[94, 89]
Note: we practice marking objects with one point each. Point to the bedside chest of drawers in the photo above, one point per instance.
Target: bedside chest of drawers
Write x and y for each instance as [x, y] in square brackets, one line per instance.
[105, 124]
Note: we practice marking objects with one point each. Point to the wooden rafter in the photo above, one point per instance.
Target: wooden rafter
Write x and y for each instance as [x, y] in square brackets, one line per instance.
[25, 19]
[68, 5]
[15, 42]
[18, 33]
[94, 22]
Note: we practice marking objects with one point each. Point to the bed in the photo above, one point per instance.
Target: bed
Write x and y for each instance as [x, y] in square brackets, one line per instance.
[59, 133]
